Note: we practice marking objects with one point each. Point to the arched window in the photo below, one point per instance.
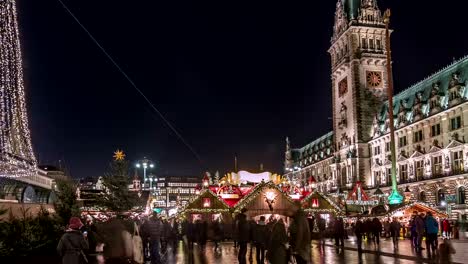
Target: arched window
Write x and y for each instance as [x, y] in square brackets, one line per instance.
[422, 196]
[440, 196]
[461, 195]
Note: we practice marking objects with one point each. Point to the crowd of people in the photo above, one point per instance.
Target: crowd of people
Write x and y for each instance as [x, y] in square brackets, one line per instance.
[274, 240]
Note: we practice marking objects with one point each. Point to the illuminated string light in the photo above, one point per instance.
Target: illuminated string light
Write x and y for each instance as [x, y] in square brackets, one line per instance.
[16, 153]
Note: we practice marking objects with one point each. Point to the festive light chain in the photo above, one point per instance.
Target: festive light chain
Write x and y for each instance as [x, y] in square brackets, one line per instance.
[211, 210]
[16, 153]
[199, 196]
[308, 197]
[257, 189]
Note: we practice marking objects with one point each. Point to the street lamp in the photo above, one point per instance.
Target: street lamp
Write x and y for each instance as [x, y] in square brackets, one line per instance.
[145, 164]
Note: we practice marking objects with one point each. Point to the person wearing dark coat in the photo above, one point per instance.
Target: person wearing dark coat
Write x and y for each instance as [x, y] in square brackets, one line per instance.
[260, 237]
[339, 232]
[217, 233]
[300, 238]
[276, 253]
[171, 235]
[243, 236]
[154, 229]
[359, 230]
[73, 244]
[395, 227]
[376, 228]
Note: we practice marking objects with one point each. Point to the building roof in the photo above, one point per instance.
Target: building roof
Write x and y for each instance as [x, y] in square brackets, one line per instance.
[315, 151]
[419, 95]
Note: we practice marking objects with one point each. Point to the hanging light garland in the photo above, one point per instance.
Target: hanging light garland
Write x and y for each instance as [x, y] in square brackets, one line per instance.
[335, 210]
[256, 191]
[186, 208]
[16, 153]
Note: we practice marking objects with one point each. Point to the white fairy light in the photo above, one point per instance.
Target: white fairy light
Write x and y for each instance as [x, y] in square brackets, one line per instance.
[16, 153]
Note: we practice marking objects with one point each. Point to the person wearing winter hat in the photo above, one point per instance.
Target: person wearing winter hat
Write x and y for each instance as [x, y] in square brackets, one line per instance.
[73, 243]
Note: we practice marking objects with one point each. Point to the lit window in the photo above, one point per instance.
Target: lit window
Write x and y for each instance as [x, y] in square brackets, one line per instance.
[419, 168]
[402, 141]
[455, 123]
[458, 161]
[437, 165]
[418, 136]
[403, 172]
[435, 130]
[364, 43]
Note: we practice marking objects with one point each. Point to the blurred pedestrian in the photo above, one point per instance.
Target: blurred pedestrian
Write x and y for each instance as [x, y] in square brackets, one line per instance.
[154, 229]
[387, 228]
[73, 244]
[414, 234]
[339, 232]
[432, 229]
[260, 239]
[446, 250]
[394, 228]
[300, 238]
[376, 228]
[322, 230]
[446, 228]
[276, 253]
[420, 228]
[243, 236]
[217, 233]
[359, 232]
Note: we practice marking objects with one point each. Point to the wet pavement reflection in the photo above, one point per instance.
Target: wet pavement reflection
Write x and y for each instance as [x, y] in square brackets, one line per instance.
[325, 254]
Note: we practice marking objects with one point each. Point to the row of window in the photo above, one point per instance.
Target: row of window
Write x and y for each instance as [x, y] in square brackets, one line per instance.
[418, 136]
[442, 196]
[181, 184]
[371, 43]
[437, 169]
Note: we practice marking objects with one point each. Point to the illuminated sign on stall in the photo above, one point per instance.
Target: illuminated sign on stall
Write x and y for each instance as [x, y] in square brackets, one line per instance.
[314, 203]
[206, 202]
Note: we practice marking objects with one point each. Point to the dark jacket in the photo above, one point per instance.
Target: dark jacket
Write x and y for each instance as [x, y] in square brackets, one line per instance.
[339, 227]
[376, 226]
[300, 235]
[260, 234]
[359, 228]
[276, 253]
[395, 228]
[154, 229]
[70, 246]
[243, 228]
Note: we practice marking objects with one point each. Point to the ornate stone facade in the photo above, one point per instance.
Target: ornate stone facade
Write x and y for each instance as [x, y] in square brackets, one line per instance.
[429, 120]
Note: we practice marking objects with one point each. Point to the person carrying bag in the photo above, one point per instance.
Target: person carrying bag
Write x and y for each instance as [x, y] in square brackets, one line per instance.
[137, 245]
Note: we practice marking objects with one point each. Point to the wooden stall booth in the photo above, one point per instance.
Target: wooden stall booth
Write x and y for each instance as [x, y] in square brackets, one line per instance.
[267, 199]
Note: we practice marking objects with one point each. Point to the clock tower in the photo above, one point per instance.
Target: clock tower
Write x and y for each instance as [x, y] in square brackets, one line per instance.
[358, 84]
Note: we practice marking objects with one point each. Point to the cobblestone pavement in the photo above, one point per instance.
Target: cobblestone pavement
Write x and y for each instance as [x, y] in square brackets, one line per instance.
[323, 255]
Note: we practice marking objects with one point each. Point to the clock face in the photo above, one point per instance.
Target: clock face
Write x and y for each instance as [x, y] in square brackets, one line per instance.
[343, 87]
[374, 79]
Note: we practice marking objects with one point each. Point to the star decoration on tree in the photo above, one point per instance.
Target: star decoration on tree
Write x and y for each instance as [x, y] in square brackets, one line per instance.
[119, 155]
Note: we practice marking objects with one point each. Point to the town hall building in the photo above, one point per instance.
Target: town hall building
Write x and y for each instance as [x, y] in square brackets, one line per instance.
[430, 120]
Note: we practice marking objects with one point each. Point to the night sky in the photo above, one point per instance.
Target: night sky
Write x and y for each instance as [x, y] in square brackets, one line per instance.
[232, 77]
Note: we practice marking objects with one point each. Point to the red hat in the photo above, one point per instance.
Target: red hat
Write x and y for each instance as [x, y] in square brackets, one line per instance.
[75, 223]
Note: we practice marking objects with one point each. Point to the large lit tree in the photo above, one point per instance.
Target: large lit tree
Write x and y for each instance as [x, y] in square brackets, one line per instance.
[116, 197]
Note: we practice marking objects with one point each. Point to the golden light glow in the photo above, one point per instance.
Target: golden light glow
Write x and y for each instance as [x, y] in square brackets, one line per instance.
[119, 155]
